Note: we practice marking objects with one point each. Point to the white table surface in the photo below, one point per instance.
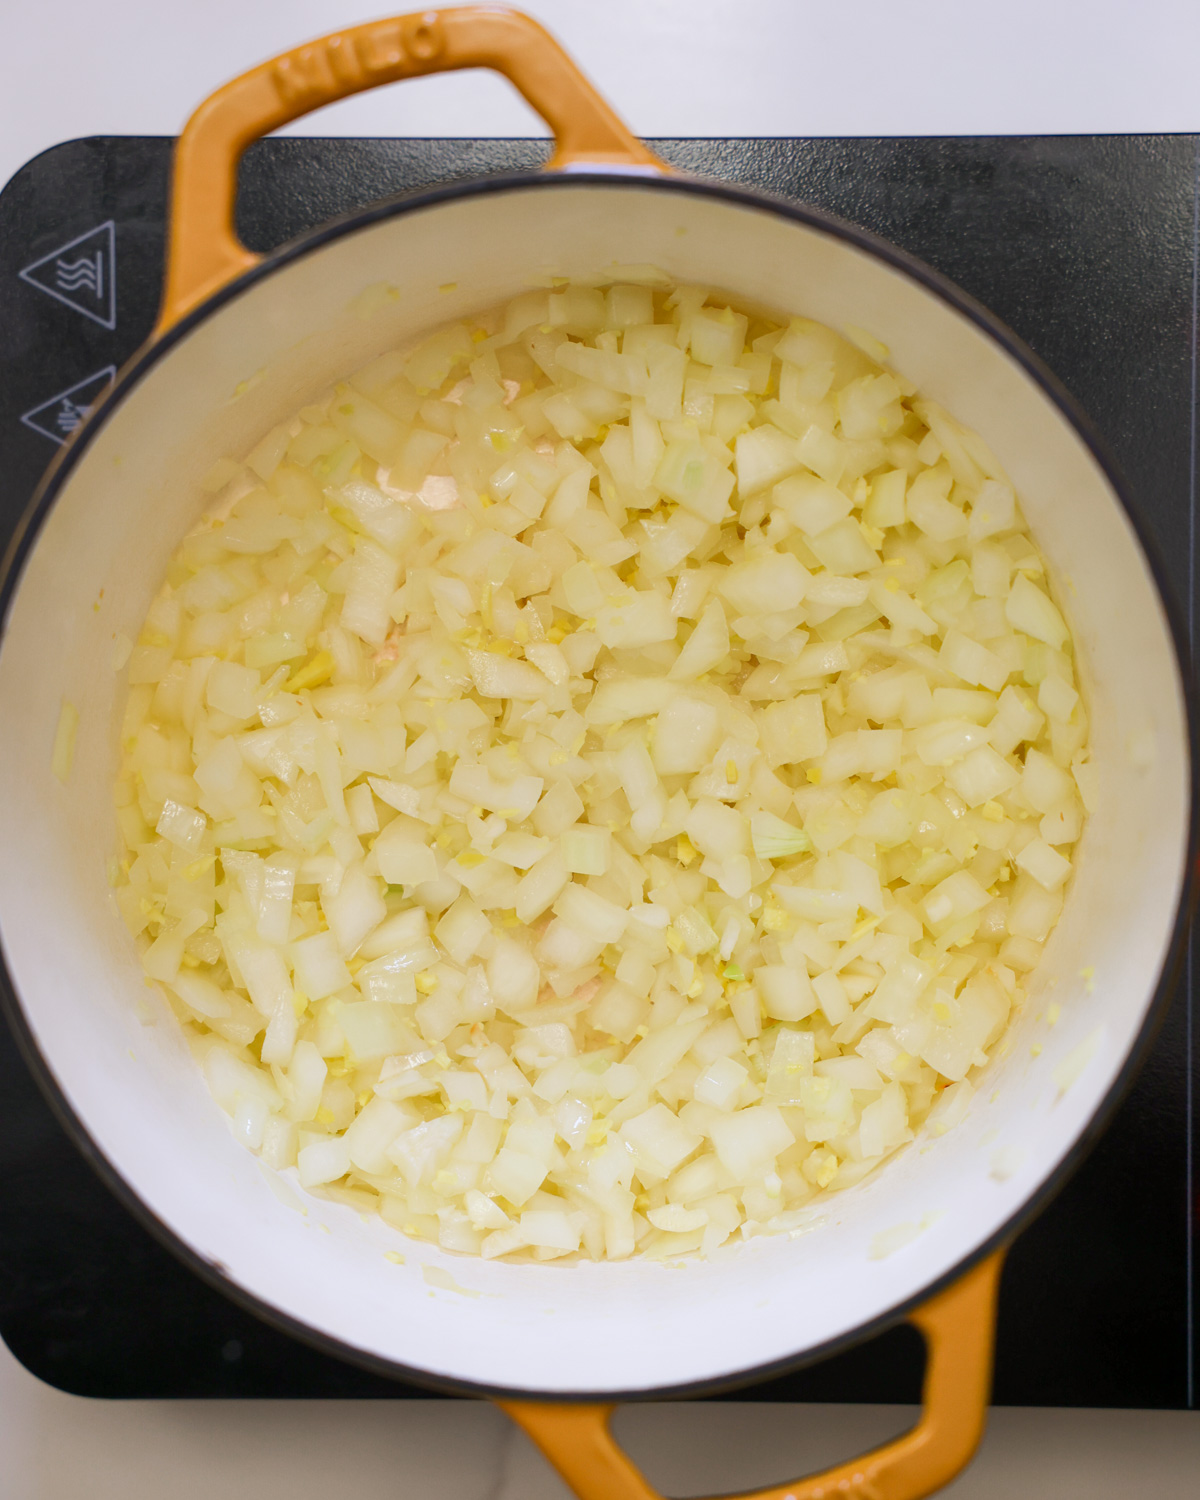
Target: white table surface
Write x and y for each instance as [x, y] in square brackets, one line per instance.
[671, 68]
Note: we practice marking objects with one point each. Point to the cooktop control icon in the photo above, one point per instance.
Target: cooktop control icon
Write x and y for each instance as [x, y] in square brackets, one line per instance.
[82, 273]
[59, 415]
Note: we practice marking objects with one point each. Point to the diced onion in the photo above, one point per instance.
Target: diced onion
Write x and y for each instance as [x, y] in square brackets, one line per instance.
[601, 777]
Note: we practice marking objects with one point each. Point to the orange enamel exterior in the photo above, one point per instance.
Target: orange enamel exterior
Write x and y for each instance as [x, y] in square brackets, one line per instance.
[958, 1326]
[204, 253]
[203, 250]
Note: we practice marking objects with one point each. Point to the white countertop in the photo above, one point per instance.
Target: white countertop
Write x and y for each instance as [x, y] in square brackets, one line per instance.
[56, 1447]
[671, 68]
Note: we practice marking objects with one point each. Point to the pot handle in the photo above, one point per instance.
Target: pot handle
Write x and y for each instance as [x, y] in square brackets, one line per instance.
[959, 1330]
[203, 250]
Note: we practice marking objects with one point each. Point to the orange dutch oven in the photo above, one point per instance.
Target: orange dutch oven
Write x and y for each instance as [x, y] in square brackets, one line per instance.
[241, 343]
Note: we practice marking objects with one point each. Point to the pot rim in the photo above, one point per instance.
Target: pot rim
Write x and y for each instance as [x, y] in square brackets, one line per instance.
[142, 364]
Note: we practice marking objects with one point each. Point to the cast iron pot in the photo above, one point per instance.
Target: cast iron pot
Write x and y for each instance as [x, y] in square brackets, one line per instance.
[242, 342]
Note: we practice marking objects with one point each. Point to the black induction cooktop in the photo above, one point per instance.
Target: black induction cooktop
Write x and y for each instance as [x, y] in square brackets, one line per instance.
[1087, 247]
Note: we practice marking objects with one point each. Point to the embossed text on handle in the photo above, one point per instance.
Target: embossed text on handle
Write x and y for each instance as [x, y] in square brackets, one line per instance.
[342, 63]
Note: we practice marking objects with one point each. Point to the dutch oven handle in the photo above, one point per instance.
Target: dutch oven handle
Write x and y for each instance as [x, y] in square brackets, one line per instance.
[958, 1326]
[203, 250]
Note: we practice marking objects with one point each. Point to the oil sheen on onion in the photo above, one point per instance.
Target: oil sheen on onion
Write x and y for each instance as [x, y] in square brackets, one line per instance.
[599, 779]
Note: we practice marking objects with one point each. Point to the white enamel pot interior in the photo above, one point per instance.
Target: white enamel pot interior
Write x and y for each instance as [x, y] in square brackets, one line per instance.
[92, 557]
